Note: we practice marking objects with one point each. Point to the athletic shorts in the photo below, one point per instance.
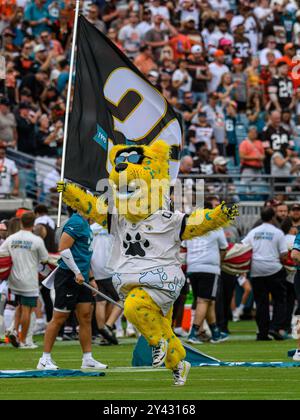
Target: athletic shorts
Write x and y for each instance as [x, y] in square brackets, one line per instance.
[68, 293]
[30, 301]
[204, 285]
[106, 286]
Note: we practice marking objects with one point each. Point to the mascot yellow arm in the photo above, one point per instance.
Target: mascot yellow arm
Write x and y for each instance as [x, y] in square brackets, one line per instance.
[203, 221]
[86, 204]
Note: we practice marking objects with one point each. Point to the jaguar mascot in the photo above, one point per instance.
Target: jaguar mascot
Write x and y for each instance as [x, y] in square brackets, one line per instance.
[147, 237]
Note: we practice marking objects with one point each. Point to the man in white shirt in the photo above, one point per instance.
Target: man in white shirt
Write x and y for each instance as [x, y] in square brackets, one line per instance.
[220, 6]
[130, 36]
[270, 47]
[42, 216]
[204, 267]
[102, 246]
[157, 9]
[217, 68]
[27, 252]
[268, 275]
[9, 178]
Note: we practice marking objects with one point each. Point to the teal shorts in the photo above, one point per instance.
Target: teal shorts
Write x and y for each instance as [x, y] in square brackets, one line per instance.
[30, 301]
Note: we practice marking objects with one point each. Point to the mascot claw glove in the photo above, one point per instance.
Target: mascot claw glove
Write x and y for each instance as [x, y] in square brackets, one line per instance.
[231, 212]
[147, 238]
[61, 186]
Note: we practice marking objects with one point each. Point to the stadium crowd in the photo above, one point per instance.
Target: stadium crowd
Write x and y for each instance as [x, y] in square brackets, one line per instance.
[230, 70]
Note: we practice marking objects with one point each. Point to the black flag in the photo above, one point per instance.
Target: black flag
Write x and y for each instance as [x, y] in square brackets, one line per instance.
[113, 104]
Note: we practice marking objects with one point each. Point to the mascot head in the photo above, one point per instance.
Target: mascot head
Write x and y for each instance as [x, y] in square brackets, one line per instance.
[140, 178]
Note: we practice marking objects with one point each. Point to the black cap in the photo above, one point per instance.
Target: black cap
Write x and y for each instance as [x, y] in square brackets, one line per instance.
[295, 206]
[4, 101]
[24, 105]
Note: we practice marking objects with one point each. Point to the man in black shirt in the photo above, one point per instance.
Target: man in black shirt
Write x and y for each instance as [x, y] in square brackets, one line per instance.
[281, 89]
[273, 137]
[35, 83]
[202, 163]
[242, 46]
[188, 109]
[26, 119]
[199, 70]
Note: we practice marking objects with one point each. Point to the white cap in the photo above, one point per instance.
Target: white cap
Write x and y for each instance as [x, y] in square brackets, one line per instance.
[220, 160]
[54, 74]
[236, 21]
[153, 73]
[196, 49]
[188, 18]
[39, 48]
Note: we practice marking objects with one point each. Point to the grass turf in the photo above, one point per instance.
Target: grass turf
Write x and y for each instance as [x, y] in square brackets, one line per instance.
[122, 382]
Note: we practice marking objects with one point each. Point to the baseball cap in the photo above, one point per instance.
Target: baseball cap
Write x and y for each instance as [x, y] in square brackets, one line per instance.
[196, 49]
[153, 73]
[220, 160]
[20, 211]
[189, 18]
[219, 53]
[288, 46]
[39, 48]
[295, 206]
[9, 32]
[213, 95]
[4, 101]
[237, 61]
[237, 21]
[24, 105]
[202, 114]
[232, 103]
[281, 62]
[224, 42]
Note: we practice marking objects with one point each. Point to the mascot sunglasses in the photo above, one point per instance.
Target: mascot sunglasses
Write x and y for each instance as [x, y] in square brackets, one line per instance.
[131, 158]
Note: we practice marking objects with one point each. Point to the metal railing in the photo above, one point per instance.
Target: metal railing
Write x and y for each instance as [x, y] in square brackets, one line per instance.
[251, 192]
[32, 174]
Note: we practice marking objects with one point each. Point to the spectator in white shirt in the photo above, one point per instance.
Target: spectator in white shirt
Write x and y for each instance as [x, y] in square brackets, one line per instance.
[181, 80]
[50, 181]
[9, 178]
[157, 9]
[106, 314]
[270, 47]
[145, 24]
[262, 12]
[27, 252]
[204, 267]
[268, 275]
[220, 6]
[130, 36]
[217, 68]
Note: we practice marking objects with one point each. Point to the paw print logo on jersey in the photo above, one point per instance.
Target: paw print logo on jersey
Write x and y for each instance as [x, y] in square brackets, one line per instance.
[176, 286]
[117, 281]
[135, 245]
[154, 278]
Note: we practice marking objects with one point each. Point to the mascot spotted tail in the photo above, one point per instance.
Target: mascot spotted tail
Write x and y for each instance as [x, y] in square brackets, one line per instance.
[147, 237]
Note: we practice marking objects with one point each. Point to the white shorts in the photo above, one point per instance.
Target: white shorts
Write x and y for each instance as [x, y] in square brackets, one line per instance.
[241, 280]
[163, 284]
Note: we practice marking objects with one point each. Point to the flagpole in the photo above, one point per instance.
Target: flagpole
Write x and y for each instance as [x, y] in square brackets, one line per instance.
[62, 174]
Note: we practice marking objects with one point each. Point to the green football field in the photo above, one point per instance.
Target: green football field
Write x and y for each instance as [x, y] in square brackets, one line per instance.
[123, 382]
